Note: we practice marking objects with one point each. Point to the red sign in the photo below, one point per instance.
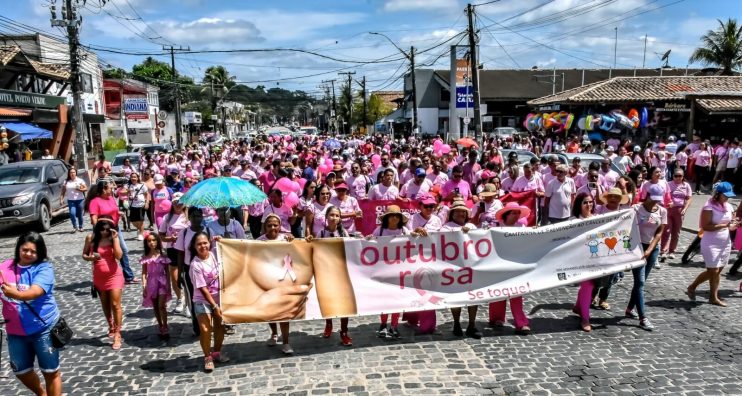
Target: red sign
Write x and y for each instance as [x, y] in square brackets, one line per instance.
[372, 209]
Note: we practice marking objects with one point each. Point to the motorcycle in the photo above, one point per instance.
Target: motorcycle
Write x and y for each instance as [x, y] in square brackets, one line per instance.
[693, 249]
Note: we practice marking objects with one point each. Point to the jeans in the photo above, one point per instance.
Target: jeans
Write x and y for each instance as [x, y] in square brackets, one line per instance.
[128, 273]
[640, 276]
[24, 350]
[76, 212]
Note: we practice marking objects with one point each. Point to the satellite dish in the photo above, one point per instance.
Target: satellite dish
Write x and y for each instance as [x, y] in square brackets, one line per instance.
[666, 58]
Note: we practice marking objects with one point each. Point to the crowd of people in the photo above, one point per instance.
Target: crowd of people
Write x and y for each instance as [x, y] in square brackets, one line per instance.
[458, 189]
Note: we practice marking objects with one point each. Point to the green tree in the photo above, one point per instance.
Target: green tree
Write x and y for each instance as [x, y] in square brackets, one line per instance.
[721, 47]
[154, 72]
[115, 73]
[216, 83]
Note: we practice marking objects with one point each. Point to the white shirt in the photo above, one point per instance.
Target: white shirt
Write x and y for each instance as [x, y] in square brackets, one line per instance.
[560, 197]
[72, 193]
[734, 155]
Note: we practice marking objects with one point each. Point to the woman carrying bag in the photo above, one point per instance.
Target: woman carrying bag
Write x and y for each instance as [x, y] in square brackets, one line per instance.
[31, 313]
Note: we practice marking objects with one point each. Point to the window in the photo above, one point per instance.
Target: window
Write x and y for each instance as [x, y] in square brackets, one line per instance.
[445, 95]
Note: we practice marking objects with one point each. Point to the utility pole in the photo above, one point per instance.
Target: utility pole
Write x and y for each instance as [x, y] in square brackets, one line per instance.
[176, 87]
[350, 100]
[615, 47]
[363, 85]
[334, 114]
[644, 58]
[474, 73]
[411, 58]
[72, 21]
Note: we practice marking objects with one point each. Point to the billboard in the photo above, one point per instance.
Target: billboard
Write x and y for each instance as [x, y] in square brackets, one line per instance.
[136, 105]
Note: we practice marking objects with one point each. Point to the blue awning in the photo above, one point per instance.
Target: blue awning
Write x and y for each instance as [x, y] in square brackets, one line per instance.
[27, 131]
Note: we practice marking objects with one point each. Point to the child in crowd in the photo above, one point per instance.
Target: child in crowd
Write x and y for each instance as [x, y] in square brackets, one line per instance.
[156, 281]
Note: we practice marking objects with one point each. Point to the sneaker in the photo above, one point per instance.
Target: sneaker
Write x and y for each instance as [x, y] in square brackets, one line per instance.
[345, 339]
[73, 231]
[178, 306]
[657, 265]
[646, 324]
[631, 315]
[382, 332]
[208, 364]
[473, 332]
[229, 329]
[80, 229]
[662, 258]
[394, 333]
[186, 311]
[328, 331]
[671, 256]
[140, 237]
[287, 350]
[219, 357]
[273, 341]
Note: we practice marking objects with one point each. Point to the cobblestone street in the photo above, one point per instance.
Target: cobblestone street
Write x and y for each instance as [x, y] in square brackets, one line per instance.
[695, 348]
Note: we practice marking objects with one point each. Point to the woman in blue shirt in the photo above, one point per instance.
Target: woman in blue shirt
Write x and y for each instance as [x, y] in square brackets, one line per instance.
[30, 311]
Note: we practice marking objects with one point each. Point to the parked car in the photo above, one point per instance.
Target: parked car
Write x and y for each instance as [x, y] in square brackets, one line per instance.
[585, 160]
[151, 148]
[29, 192]
[524, 156]
[505, 132]
[118, 162]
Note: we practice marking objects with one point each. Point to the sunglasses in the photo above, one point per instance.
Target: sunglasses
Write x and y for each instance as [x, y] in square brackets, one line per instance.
[325, 194]
[677, 175]
[429, 206]
[587, 202]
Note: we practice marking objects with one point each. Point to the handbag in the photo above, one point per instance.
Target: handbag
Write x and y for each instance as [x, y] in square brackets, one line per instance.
[93, 290]
[60, 333]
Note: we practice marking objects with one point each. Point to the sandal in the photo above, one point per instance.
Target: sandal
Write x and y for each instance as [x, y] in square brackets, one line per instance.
[116, 341]
[208, 364]
[691, 293]
[585, 326]
[219, 357]
[604, 305]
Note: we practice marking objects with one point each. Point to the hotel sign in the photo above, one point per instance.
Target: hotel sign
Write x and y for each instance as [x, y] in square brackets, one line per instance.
[27, 99]
[671, 107]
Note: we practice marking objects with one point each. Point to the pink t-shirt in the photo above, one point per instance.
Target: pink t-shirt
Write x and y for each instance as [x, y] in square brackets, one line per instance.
[411, 190]
[349, 205]
[387, 232]
[702, 157]
[173, 227]
[283, 213]
[679, 193]
[523, 184]
[100, 206]
[433, 224]
[381, 191]
[451, 186]
[205, 273]
[319, 217]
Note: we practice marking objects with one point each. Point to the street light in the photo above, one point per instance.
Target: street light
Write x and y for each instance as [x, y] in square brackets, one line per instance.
[411, 58]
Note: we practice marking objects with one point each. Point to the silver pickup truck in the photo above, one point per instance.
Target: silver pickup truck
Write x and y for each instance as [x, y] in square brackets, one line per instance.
[29, 192]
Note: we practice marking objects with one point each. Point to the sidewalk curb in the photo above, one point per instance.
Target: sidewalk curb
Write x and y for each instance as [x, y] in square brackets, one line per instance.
[688, 229]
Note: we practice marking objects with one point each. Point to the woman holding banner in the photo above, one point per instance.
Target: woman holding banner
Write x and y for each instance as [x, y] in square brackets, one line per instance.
[334, 229]
[510, 216]
[272, 231]
[458, 220]
[651, 218]
[393, 223]
[583, 208]
[422, 223]
[204, 272]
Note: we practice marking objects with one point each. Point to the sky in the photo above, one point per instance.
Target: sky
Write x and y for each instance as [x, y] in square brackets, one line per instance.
[513, 34]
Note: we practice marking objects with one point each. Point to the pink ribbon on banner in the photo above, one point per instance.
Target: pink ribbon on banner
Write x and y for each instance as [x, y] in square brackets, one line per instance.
[417, 282]
[288, 269]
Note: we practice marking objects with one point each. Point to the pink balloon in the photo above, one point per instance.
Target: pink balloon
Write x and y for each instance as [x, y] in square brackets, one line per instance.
[328, 162]
[302, 181]
[324, 168]
[284, 185]
[437, 152]
[295, 186]
[445, 149]
[291, 199]
[437, 144]
[164, 206]
[287, 138]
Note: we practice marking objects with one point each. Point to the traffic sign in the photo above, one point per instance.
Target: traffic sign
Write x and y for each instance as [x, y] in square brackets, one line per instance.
[467, 120]
[161, 124]
[162, 114]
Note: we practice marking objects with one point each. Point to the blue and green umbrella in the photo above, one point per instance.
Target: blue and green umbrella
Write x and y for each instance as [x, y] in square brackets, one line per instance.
[220, 192]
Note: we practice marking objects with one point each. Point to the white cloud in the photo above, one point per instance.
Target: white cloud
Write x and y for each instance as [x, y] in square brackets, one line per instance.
[209, 32]
[419, 5]
[545, 63]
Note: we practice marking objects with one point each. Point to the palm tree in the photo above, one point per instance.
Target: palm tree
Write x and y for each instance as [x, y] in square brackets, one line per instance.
[721, 47]
[217, 83]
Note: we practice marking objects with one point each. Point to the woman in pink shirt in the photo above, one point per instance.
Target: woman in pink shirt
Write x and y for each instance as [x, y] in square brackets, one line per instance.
[315, 218]
[701, 166]
[680, 197]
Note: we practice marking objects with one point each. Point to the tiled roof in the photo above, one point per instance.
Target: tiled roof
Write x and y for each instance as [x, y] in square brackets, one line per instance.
[720, 105]
[7, 53]
[643, 89]
[51, 69]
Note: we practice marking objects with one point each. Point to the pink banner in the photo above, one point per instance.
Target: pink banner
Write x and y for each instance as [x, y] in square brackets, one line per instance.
[372, 209]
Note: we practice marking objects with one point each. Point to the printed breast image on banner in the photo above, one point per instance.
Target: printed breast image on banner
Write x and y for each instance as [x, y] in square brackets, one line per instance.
[442, 270]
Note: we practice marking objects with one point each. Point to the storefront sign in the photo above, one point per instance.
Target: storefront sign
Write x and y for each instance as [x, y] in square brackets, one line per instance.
[136, 105]
[27, 99]
[549, 108]
[464, 97]
[674, 108]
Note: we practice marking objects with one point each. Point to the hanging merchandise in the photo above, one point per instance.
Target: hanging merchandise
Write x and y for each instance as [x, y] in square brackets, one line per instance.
[634, 117]
[581, 123]
[606, 122]
[644, 118]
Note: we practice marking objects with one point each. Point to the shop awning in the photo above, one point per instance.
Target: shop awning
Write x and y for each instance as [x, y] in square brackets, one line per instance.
[6, 112]
[27, 131]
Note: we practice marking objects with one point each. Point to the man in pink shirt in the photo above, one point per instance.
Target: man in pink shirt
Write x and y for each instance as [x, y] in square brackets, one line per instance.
[609, 175]
[456, 187]
[470, 168]
[270, 177]
[530, 181]
[358, 183]
[437, 177]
